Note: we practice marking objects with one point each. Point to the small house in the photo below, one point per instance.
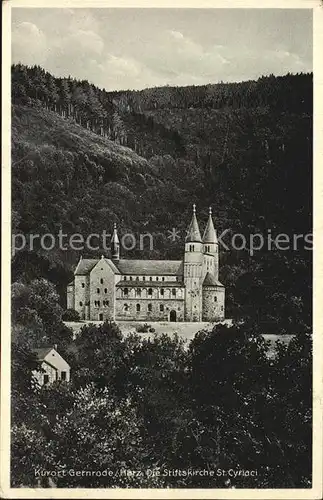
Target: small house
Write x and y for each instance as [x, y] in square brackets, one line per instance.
[54, 367]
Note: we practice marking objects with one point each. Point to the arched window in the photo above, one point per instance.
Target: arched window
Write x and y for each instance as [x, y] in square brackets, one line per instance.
[161, 291]
[163, 278]
[81, 304]
[215, 299]
[83, 285]
[125, 291]
[138, 307]
[138, 292]
[105, 290]
[101, 281]
[125, 307]
[130, 277]
[150, 291]
[150, 307]
[174, 292]
[161, 307]
[98, 290]
[144, 278]
[157, 278]
[125, 278]
[137, 278]
[150, 278]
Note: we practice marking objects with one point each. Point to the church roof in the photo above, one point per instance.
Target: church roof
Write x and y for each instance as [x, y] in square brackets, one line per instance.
[210, 280]
[193, 232]
[85, 266]
[150, 267]
[209, 235]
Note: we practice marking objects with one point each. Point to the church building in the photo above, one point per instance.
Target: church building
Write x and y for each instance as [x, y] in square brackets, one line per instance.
[152, 290]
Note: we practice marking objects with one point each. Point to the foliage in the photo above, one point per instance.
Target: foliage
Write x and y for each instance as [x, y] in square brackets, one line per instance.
[219, 403]
[100, 434]
[143, 328]
[70, 315]
[36, 315]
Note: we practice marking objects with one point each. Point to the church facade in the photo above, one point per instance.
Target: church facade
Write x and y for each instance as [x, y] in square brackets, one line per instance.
[152, 290]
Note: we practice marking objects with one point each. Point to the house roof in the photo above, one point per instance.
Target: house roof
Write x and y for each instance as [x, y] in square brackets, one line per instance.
[150, 267]
[150, 284]
[210, 280]
[41, 352]
[85, 266]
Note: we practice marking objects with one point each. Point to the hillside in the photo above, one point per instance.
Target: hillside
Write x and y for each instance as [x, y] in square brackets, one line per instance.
[251, 159]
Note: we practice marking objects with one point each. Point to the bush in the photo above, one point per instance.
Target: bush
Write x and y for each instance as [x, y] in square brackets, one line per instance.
[71, 315]
[143, 328]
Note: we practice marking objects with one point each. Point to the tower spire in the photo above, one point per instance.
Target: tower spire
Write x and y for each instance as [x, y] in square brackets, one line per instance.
[193, 233]
[115, 244]
[209, 235]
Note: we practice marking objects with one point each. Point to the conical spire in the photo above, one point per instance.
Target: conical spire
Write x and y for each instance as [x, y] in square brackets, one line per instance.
[209, 235]
[193, 233]
[115, 238]
[115, 246]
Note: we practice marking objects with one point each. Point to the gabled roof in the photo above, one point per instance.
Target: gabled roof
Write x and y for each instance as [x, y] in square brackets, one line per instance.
[41, 352]
[210, 280]
[150, 267]
[85, 266]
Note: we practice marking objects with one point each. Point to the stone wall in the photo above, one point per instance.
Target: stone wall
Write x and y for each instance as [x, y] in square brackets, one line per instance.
[101, 292]
[213, 303]
[149, 309]
[209, 266]
[70, 304]
[80, 295]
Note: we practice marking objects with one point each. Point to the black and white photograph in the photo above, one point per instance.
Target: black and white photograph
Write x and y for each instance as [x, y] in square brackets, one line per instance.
[161, 250]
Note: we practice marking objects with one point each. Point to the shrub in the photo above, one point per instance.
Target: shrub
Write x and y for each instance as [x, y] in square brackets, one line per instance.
[143, 328]
[71, 315]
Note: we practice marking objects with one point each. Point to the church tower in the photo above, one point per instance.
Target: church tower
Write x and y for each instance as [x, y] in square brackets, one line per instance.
[115, 244]
[210, 249]
[193, 268]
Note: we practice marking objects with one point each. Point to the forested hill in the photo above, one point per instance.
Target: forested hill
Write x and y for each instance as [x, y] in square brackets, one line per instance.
[83, 158]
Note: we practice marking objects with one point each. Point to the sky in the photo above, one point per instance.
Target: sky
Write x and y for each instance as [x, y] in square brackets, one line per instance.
[119, 49]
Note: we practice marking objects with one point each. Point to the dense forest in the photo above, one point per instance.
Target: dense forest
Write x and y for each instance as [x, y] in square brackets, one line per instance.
[143, 408]
[83, 158]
